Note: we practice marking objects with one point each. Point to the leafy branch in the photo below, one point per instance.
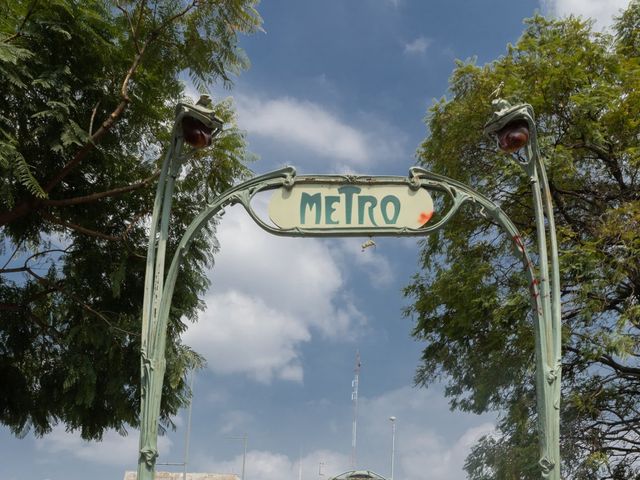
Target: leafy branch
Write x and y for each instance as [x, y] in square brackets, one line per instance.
[99, 195]
[18, 33]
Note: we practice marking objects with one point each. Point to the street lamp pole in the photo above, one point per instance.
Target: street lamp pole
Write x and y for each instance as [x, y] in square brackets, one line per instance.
[244, 439]
[393, 442]
[196, 125]
[514, 128]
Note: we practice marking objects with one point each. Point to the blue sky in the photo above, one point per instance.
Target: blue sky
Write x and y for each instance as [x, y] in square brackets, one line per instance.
[335, 86]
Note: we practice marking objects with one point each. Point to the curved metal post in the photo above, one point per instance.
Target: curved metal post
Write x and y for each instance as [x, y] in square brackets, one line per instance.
[548, 373]
[152, 351]
[490, 210]
[153, 365]
[157, 303]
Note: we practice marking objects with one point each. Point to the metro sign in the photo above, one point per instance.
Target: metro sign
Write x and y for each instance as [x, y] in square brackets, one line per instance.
[348, 206]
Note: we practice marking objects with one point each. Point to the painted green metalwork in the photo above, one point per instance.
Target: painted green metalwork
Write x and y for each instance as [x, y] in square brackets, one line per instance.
[358, 475]
[549, 338]
[154, 322]
[545, 303]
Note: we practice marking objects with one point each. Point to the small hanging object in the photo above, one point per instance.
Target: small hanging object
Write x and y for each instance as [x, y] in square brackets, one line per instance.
[367, 244]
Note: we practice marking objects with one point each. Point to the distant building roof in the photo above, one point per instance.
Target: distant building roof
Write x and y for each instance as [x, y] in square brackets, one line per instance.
[190, 476]
[358, 475]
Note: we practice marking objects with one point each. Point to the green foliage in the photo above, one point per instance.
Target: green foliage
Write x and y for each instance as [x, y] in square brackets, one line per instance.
[471, 303]
[89, 88]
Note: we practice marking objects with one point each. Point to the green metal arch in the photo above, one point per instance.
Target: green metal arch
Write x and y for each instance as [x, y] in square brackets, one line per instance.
[243, 193]
[459, 193]
[545, 290]
[358, 475]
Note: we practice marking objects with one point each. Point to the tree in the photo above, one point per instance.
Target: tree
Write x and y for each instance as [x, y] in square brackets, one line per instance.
[471, 302]
[89, 89]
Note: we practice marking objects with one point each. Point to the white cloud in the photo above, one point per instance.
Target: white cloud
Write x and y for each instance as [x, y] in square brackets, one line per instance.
[602, 11]
[269, 296]
[417, 46]
[303, 123]
[288, 123]
[114, 449]
[300, 276]
[420, 414]
[267, 465]
[322, 138]
[428, 452]
[235, 421]
[240, 334]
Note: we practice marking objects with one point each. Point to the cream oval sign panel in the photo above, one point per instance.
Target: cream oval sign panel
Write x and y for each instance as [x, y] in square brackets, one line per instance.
[357, 207]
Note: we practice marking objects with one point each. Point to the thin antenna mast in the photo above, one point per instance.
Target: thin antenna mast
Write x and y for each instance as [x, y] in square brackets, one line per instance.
[354, 399]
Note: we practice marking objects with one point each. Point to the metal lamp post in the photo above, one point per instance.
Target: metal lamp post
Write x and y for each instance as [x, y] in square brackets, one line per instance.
[393, 442]
[244, 439]
[196, 125]
[514, 128]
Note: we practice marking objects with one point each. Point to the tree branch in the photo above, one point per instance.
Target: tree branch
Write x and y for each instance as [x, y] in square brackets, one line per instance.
[29, 314]
[133, 30]
[13, 254]
[608, 360]
[93, 116]
[143, 4]
[134, 220]
[618, 367]
[79, 228]
[25, 267]
[104, 128]
[606, 157]
[82, 304]
[97, 196]
[13, 270]
[24, 208]
[172, 18]
[18, 33]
